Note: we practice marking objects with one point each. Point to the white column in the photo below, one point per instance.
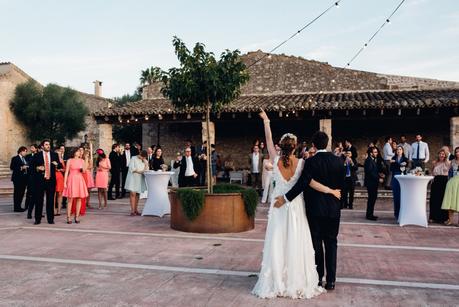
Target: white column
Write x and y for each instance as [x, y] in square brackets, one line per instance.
[325, 125]
[454, 131]
[105, 137]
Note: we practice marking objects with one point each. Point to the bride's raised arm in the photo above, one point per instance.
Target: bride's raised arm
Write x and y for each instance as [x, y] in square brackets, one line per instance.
[268, 136]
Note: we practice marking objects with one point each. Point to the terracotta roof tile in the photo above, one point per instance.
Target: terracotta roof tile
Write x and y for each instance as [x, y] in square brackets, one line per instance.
[388, 99]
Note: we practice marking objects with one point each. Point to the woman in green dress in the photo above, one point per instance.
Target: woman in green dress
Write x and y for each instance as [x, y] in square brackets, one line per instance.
[451, 198]
[135, 180]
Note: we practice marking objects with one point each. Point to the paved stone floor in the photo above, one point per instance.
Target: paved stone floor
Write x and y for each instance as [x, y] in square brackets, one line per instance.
[112, 259]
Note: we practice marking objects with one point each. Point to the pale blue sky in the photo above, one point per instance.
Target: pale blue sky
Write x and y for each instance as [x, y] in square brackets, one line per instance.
[76, 42]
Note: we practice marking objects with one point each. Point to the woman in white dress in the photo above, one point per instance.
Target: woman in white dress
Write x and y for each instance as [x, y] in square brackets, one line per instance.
[135, 180]
[288, 268]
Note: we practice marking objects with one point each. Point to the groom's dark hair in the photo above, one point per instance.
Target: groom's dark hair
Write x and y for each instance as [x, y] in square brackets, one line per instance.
[320, 140]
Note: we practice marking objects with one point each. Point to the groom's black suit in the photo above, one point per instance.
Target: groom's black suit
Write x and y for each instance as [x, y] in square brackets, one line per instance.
[323, 210]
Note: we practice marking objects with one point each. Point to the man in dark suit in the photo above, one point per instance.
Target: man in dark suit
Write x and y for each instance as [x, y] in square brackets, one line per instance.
[189, 169]
[189, 144]
[19, 177]
[115, 171]
[350, 166]
[29, 204]
[43, 169]
[348, 146]
[373, 171]
[323, 210]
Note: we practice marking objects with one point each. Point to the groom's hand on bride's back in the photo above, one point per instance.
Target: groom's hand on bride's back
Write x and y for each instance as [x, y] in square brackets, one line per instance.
[280, 201]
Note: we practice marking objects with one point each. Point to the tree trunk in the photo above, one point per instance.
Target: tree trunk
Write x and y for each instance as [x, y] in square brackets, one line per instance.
[208, 152]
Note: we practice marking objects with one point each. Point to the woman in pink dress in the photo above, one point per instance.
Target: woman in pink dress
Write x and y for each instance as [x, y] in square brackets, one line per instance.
[74, 184]
[103, 167]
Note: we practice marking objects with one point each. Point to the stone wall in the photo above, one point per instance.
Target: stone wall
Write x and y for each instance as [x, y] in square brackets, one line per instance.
[93, 103]
[13, 134]
[282, 74]
[278, 74]
[234, 139]
[402, 82]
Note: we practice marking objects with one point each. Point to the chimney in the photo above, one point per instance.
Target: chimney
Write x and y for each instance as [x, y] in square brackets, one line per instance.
[98, 88]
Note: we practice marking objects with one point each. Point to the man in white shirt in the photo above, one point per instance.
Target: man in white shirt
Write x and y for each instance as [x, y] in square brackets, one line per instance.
[419, 152]
[256, 164]
[189, 169]
[388, 153]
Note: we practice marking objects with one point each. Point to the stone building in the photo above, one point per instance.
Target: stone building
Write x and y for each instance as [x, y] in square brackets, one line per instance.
[302, 96]
[13, 133]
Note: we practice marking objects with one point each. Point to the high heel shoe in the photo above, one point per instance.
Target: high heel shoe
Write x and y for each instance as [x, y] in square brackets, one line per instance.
[77, 221]
[69, 220]
[448, 223]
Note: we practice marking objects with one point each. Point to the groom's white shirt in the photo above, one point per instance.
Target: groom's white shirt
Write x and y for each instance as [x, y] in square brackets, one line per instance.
[285, 198]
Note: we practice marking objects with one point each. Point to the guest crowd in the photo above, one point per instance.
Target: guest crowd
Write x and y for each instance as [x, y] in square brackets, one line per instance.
[67, 180]
[379, 169]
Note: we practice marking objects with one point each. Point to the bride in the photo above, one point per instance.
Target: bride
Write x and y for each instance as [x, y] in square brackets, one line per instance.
[288, 268]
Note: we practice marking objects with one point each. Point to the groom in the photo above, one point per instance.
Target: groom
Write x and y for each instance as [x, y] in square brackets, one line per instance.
[323, 210]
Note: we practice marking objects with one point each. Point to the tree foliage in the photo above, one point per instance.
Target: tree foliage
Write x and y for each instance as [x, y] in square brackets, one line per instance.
[150, 75]
[52, 112]
[136, 96]
[201, 79]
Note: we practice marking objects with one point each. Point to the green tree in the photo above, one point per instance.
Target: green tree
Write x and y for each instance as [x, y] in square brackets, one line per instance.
[150, 75]
[52, 112]
[205, 82]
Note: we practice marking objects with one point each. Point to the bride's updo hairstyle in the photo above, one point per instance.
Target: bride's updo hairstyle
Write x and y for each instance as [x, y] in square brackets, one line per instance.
[287, 144]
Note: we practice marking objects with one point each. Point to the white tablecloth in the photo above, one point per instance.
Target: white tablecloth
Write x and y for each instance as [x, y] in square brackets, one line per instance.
[158, 200]
[413, 197]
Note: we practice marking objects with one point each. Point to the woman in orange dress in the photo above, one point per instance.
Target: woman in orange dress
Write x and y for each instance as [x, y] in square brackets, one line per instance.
[74, 184]
[59, 183]
[103, 167]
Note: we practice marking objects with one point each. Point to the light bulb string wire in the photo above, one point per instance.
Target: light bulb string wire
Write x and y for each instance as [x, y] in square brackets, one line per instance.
[375, 34]
[335, 4]
[344, 68]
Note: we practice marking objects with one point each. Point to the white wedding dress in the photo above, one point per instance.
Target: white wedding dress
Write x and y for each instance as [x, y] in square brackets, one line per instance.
[288, 268]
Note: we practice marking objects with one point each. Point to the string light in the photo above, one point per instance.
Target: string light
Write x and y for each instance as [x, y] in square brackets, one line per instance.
[160, 117]
[146, 117]
[387, 21]
[335, 4]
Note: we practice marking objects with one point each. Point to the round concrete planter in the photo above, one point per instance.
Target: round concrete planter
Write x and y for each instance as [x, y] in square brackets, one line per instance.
[221, 213]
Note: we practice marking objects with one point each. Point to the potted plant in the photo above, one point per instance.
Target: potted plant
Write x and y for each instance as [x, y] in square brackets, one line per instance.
[206, 83]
